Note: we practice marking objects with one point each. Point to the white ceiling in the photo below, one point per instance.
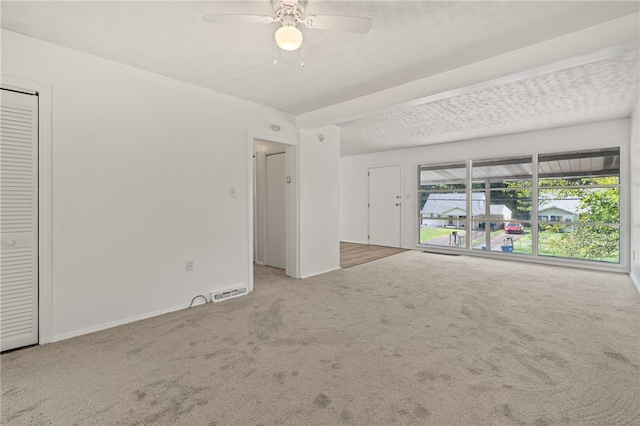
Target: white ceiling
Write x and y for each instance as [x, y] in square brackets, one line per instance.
[601, 90]
[408, 41]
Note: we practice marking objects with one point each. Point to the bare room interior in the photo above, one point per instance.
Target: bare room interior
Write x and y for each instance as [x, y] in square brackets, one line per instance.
[320, 212]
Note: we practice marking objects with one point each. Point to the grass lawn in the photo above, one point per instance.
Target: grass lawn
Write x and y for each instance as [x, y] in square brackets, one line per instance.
[524, 246]
[427, 234]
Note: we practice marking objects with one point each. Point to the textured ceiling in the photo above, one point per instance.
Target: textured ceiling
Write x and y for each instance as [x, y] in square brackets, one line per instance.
[602, 90]
[409, 40]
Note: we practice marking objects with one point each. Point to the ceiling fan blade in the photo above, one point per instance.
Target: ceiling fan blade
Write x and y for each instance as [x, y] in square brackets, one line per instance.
[351, 24]
[213, 18]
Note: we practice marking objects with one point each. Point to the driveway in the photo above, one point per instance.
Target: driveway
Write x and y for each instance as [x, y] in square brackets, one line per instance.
[500, 239]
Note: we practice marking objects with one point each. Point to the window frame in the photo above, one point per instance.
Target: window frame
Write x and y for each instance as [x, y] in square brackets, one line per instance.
[534, 221]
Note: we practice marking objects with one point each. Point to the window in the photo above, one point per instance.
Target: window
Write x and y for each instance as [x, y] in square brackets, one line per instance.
[443, 199]
[582, 192]
[489, 205]
[502, 191]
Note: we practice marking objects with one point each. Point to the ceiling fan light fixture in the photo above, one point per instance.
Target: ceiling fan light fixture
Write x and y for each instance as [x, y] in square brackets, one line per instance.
[288, 37]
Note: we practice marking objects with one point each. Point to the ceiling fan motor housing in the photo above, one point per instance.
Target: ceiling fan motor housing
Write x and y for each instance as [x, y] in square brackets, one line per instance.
[278, 5]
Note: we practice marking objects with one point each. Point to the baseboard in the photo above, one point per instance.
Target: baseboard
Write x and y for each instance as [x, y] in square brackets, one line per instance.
[354, 242]
[64, 336]
[635, 280]
[319, 273]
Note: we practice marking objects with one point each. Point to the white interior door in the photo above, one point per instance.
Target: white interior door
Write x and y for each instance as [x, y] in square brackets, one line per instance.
[385, 203]
[18, 219]
[275, 211]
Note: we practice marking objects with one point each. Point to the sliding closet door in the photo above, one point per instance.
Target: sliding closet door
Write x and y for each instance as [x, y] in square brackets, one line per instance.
[18, 219]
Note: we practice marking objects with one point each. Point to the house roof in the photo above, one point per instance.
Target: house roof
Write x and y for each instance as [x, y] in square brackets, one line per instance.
[569, 205]
[441, 203]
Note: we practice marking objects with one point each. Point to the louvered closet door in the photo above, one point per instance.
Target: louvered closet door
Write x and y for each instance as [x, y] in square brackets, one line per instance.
[18, 219]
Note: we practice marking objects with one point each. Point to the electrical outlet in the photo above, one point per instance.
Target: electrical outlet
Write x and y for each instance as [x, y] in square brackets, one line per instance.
[190, 265]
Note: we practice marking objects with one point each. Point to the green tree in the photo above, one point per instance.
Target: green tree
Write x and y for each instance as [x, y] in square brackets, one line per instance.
[597, 205]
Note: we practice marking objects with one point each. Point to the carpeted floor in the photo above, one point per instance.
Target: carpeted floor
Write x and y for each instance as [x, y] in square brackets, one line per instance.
[409, 339]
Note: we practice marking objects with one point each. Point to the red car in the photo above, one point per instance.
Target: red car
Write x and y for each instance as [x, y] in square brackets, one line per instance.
[513, 228]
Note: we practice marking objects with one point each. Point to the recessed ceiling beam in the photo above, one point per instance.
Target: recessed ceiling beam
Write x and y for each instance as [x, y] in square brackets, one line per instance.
[612, 38]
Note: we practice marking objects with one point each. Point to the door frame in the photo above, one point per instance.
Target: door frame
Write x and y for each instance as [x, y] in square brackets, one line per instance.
[264, 227]
[401, 190]
[260, 222]
[45, 241]
[292, 204]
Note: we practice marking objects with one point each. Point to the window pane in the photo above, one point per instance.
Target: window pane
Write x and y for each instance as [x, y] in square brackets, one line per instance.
[502, 173]
[443, 232]
[504, 204]
[506, 237]
[578, 205]
[592, 205]
[443, 205]
[443, 176]
[593, 167]
[600, 243]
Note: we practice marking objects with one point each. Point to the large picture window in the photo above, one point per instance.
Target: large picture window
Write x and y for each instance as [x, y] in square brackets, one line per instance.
[563, 205]
[579, 205]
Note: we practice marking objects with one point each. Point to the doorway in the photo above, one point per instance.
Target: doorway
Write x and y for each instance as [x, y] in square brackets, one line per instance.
[385, 206]
[19, 219]
[274, 196]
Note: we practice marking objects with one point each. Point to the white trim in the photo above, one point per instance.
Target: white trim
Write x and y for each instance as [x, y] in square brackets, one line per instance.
[271, 138]
[250, 215]
[45, 241]
[635, 280]
[111, 324]
[326, 271]
[293, 265]
[544, 260]
[295, 226]
[625, 206]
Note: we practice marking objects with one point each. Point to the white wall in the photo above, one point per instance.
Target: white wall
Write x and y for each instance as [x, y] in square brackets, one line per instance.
[319, 168]
[142, 168]
[635, 195]
[353, 170]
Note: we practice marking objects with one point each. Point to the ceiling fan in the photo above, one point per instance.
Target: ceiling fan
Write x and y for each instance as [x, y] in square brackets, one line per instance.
[289, 14]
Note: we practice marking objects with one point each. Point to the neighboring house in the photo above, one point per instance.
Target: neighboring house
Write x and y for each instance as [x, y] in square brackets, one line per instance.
[559, 210]
[453, 207]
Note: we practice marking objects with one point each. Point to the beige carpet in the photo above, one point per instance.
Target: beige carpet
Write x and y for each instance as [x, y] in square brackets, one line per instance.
[409, 339]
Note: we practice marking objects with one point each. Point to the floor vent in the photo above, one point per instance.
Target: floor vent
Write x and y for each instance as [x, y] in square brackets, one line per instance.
[220, 295]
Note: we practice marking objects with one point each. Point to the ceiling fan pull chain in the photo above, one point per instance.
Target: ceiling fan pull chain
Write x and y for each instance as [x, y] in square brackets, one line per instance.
[302, 54]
